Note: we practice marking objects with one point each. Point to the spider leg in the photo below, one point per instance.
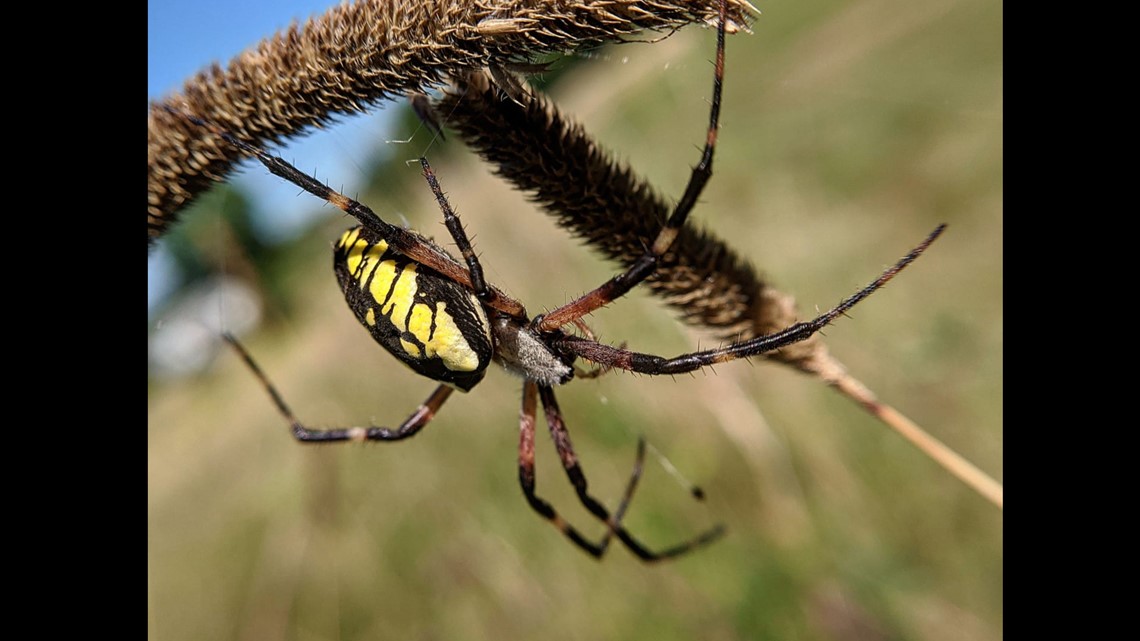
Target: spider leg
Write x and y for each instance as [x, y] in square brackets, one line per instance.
[620, 358]
[402, 240]
[631, 486]
[621, 284]
[595, 372]
[526, 477]
[599, 371]
[410, 427]
[561, 437]
[459, 235]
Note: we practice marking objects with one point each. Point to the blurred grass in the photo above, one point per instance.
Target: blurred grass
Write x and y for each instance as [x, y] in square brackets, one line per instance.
[849, 131]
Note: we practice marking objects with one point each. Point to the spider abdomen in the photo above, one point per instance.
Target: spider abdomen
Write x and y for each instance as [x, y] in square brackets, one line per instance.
[432, 324]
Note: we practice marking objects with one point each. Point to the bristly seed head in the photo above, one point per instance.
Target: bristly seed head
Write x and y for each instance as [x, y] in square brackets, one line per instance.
[357, 54]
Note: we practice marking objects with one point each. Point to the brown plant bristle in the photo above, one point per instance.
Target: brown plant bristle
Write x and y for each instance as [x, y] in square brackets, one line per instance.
[609, 207]
[357, 54]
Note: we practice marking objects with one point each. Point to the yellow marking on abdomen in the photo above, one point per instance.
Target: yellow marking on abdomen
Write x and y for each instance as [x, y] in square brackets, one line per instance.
[403, 294]
[349, 237]
[447, 342]
[410, 348]
[359, 252]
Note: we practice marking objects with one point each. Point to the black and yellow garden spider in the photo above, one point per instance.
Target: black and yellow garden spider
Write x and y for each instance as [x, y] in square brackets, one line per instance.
[441, 318]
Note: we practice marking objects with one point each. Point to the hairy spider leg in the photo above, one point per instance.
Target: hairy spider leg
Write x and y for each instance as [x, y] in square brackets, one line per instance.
[622, 283]
[561, 438]
[620, 358]
[478, 284]
[407, 242]
[410, 427]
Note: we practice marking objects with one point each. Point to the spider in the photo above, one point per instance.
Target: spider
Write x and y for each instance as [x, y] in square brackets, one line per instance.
[442, 319]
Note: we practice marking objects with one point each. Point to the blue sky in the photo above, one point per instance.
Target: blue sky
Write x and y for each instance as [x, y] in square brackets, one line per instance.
[184, 36]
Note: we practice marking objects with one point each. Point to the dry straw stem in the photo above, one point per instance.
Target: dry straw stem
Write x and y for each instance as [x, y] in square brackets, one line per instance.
[357, 54]
[601, 201]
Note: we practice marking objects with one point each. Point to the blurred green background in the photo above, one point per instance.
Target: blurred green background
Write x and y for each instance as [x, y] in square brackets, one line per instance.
[849, 131]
